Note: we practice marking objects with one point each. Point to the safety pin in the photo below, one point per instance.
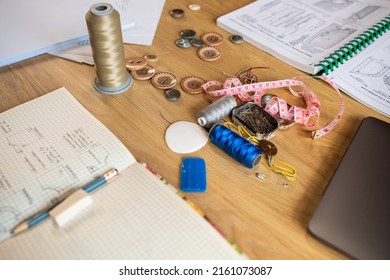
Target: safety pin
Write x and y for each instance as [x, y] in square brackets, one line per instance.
[261, 176]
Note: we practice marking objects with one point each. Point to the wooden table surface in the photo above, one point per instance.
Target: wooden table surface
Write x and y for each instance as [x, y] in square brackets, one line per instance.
[265, 220]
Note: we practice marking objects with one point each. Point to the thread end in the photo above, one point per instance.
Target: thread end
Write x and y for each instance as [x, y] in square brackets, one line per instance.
[256, 160]
[202, 121]
[101, 9]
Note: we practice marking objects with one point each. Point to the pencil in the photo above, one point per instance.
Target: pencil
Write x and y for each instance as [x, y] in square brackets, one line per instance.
[101, 180]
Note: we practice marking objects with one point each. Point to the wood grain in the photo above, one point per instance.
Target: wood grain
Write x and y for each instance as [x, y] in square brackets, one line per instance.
[266, 221]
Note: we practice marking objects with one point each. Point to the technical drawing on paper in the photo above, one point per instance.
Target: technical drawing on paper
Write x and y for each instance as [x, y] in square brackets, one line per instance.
[275, 14]
[298, 41]
[330, 36]
[23, 138]
[386, 80]
[57, 179]
[4, 184]
[5, 127]
[270, 10]
[366, 11]
[332, 5]
[371, 67]
[284, 16]
[285, 20]
[94, 158]
[12, 205]
[307, 22]
[7, 215]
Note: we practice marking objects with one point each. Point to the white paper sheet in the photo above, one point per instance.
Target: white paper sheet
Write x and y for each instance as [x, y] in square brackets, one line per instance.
[31, 28]
[366, 77]
[146, 15]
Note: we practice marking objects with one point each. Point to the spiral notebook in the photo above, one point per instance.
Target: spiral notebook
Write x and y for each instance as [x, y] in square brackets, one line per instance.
[319, 37]
[52, 146]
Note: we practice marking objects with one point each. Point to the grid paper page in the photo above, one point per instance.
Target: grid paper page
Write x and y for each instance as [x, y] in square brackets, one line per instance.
[50, 146]
[136, 216]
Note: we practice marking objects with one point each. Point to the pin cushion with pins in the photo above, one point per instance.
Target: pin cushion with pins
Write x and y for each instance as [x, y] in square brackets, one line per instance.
[282, 123]
[257, 121]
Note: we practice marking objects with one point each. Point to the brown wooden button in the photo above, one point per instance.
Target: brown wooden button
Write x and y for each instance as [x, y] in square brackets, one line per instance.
[212, 38]
[209, 53]
[135, 63]
[177, 13]
[192, 84]
[164, 80]
[268, 147]
[151, 57]
[144, 73]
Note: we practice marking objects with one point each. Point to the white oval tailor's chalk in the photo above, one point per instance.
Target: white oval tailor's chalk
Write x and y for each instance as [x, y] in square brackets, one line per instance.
[70, 207]
[185, 137]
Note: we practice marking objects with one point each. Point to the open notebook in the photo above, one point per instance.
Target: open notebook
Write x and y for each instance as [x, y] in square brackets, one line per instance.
[52, 146]
[320, 36]
[366, 77]
[309, 35]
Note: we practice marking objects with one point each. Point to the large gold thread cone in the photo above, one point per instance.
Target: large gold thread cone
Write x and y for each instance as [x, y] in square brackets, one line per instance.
[104, 29]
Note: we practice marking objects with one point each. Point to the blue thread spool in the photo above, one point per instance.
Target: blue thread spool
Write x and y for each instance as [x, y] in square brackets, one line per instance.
[235, 145]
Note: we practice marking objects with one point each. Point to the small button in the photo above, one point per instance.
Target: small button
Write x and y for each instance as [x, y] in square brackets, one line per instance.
[183, 43]
[164, 80]
[236, 39]
[267, 147]
[143, 74]
[196, 42]
[135, 63]
[177, 13]
[212, 38]
[209, 53]
[194, 7]
[172, 94]
[192, 84]
[151, 57]
[187, 34]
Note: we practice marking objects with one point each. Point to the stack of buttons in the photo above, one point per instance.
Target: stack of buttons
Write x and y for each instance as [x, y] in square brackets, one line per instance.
[210, 52]
[139, 68]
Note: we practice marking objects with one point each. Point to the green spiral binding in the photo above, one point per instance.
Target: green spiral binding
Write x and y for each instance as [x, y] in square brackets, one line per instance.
[354, 46]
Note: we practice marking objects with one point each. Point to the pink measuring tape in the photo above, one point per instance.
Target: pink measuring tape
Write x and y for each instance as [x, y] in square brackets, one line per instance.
[255, 91]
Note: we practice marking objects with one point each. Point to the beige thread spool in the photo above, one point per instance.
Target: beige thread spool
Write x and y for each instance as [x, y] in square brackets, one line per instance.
[105, 35]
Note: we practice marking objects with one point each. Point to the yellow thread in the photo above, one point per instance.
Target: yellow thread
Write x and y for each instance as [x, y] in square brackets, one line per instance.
[289, 173]
[105, 35]
[282, 168]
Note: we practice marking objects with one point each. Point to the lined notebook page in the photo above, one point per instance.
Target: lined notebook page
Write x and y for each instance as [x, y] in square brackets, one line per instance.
[134, 217]
[50, 146]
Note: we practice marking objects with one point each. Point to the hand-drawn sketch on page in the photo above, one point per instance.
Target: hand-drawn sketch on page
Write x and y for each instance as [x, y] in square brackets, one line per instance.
[57, 151]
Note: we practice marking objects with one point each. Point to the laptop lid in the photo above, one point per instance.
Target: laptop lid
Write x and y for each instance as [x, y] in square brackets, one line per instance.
[354, 212]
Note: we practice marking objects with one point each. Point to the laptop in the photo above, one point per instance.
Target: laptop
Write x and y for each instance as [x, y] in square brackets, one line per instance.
[354, 213]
